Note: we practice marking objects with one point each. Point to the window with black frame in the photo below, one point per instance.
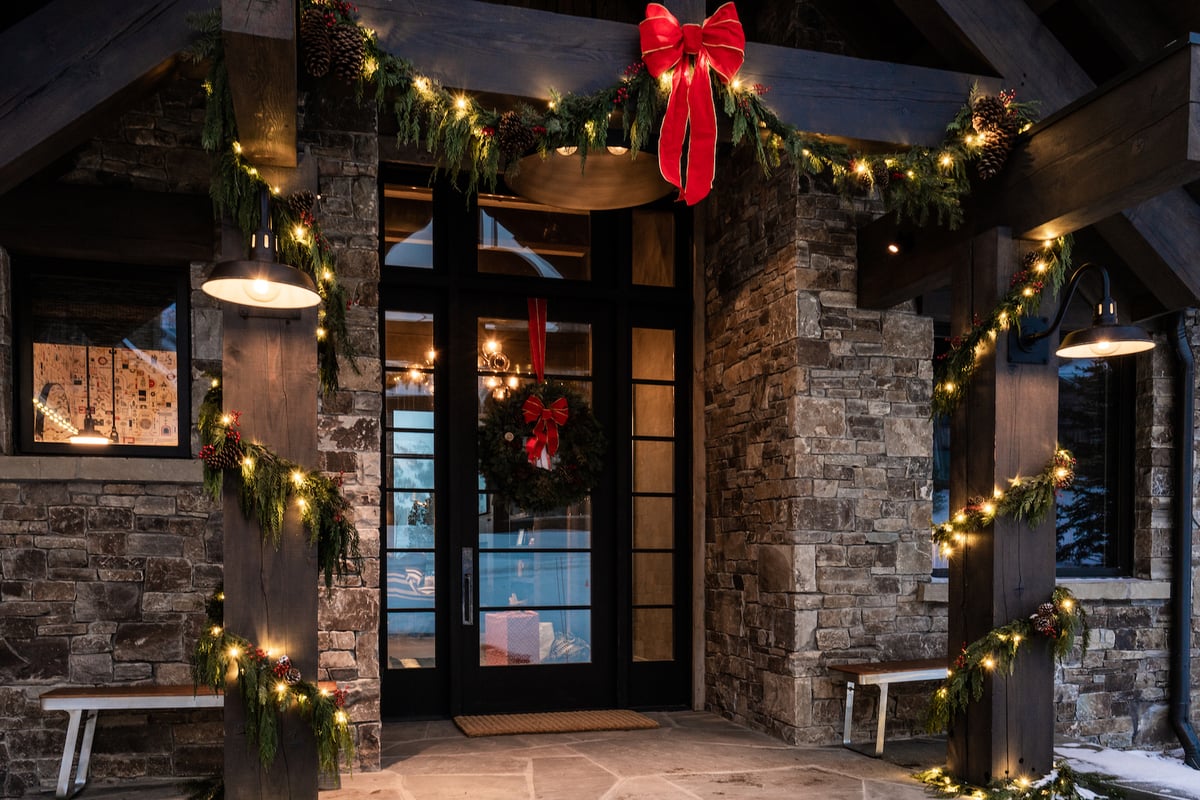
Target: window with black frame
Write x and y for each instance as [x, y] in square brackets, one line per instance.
[1094, 517]
[103, 359]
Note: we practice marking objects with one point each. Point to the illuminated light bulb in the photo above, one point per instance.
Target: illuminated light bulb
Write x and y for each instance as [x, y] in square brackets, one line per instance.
[492, 346]
[237, 148]
[960, 517]
[301, 503]
[947, 550]
[988, 662]
[1048, 243]
[552, 105]
[861, 168]
[948, 386]
[324, 692]
[297, 477]
[460, 103]
[1067, 604]
[566, 150]
[221, 596]
[216, 630]
[1061, 473]
[1016, 638]
[911, 174]
[941, 693]
[946, 160]
[491, 382]
[421, 84]
[327, 275]
[893, 248]
[226, 419]
[1102, 347]
[1027, 291]
[299, 233]
[735, 84]
[430, 355]
[997, 494]
[1023, 782]
[261, 290]
[281, 687]
[1003, 318]
[958, 537]
[665, 79]
[341, 718]
[1040, 266]
[804, 151]
[233, 652]
[252, 171]
[988, 508]
[415, 374]
[248, 462]
[321, 332]
[513, 383]
[215, 382]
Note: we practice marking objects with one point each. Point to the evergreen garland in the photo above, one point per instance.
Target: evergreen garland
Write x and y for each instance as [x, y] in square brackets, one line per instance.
[269, 482]
[504, 462]
[1062, 783]
[1062, 620]
[1047, 266]
[1027, 500]
[235, 190]
[268, 686]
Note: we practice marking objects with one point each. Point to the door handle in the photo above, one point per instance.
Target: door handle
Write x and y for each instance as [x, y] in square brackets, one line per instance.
[468, 586]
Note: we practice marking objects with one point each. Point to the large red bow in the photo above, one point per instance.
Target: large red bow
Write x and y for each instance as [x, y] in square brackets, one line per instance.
[546, 420]
[719, 43]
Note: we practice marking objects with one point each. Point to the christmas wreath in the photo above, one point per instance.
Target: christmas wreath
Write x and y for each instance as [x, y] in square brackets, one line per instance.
[540, 446]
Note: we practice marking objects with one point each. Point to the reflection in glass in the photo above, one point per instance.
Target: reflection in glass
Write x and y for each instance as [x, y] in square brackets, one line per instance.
[502, 526]
[653, 634]
[411, 442]
[653, 466]
[410, 520]
[525, 636]
[410, 580]
[408, 226]
[412, 473]
[568, 348]
[653, 522]
[653, 354]
[652, 579]
[517, 237]
[653, 410]
[534, 579]
[653, 247]
[411, 641]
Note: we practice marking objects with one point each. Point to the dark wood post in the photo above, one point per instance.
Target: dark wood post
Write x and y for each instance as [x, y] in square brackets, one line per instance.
[270, 376]
[1007, 425]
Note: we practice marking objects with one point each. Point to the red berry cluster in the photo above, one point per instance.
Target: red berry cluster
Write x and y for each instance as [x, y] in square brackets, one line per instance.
[539, 130]
[338, 10]
[961, 661]
[759, 89]
[633, 70]
[339, 697]
[282, 665]
[487, 131]
[620, 95]
[1007, 96]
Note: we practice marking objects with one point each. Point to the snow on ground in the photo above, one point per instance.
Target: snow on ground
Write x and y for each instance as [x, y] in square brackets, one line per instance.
[1166, 774]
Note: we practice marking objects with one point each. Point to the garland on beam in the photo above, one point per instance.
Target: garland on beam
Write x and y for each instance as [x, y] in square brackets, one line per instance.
[1062, 620]
[235, 190]
[1026, 500]
[1045, 266]
[269, 482]
[269, 684]
[1062, 783]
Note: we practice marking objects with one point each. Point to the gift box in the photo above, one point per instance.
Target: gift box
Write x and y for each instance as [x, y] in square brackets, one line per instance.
[511, 637]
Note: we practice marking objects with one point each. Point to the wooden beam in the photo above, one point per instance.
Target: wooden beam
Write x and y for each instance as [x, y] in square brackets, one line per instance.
[70, 65]
[101, 223]
[1145, 132]
[463, 42]
[260, 51]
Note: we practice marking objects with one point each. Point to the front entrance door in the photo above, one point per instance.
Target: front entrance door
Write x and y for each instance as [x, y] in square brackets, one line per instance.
[486, 606]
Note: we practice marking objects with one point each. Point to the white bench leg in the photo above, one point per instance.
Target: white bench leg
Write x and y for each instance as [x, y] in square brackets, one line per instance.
[68, 756]
[883, 693]
[85, 752]
[849, 713]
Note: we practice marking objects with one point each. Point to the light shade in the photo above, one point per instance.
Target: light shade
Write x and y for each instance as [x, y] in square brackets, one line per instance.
[604, 181]
[89, 435]
[264, 284]
[1102, 341]
[261, 281]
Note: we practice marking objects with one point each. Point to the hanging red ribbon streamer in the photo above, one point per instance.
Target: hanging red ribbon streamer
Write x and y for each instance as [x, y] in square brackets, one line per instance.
[545, 419]
[720, 44]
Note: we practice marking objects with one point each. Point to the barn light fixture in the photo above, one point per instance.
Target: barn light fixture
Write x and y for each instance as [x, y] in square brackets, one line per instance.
[1106, 337]
[262, 281]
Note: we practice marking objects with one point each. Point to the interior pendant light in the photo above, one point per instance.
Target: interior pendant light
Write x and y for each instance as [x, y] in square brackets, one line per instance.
[88, 433]
[112, 371]
[261, 281]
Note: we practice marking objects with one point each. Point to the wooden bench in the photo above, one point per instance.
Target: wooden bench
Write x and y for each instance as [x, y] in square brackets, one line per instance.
[92, 700]
[881, 674]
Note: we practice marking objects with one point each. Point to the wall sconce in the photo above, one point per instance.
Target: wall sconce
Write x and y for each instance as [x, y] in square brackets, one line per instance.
[1106, 337]
[261, 281]
[88, 433]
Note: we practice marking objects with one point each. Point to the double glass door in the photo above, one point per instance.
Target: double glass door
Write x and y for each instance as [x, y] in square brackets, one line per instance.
[485, 605]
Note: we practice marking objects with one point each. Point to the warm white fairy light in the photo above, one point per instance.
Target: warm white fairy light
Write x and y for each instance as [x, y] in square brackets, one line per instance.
[54, 416]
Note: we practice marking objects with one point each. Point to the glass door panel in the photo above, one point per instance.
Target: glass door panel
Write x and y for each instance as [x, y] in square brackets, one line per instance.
[410, 532]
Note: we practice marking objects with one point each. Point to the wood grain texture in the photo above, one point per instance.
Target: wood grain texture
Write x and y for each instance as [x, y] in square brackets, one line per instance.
[260, 50]
[461, 42]
[72, 65]
[100, 223]
[1006, 426]
[269, 367]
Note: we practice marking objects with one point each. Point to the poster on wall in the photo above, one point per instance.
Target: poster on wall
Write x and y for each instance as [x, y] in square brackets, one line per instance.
[132, 393]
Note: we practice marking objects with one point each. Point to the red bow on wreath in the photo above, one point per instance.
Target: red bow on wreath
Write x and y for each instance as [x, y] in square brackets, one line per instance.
[719, 43]
[546, 419]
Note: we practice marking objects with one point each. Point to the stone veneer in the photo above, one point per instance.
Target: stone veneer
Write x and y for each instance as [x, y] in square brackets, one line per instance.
[818, 446]
[105, 563]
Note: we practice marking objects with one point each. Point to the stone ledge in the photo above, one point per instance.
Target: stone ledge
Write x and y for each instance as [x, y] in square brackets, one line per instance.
[77, 468]
[938, 591]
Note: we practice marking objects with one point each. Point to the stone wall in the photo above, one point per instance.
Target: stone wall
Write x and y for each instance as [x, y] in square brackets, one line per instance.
[105, 563]
[819, 450]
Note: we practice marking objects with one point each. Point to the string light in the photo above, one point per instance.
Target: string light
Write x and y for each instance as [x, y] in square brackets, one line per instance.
[54, 416]
[946, 160]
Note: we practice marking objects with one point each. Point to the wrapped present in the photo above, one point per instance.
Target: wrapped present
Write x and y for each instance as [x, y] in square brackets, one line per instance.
[511, 637]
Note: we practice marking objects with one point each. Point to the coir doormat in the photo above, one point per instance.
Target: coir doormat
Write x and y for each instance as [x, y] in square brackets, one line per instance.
[553, 722]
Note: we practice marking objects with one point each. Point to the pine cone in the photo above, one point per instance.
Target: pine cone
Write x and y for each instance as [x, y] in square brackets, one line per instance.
[301, 202]
[988, 113]
[512, 137]
[314, 35]
[993, 154]
[226, 457]
[882, 174]
[348, 52]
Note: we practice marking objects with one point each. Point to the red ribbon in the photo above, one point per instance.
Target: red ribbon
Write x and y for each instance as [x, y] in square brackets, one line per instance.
[720, 44]
[537, 336]
[546, 419]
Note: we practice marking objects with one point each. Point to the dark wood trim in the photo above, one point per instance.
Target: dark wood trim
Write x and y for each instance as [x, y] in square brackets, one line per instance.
[1141, 129]
[462, 42]
[75, 64]
[101, 223]
[260, 51]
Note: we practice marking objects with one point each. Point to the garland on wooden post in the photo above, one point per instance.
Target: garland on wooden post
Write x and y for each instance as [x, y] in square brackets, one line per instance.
[1026, 500]
[1062, 783]
[1062, 620]
[235, 190]
[269, 482]
[270, 684]
[1046, 266]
